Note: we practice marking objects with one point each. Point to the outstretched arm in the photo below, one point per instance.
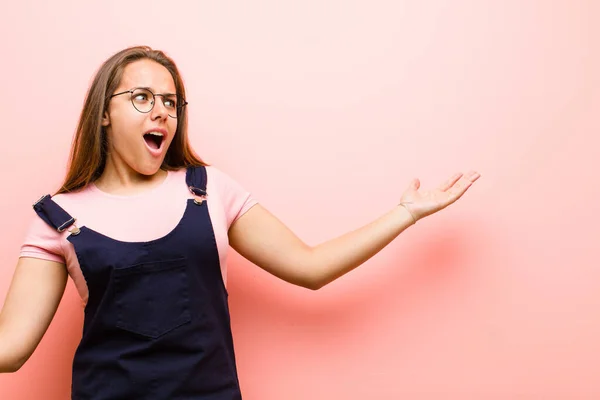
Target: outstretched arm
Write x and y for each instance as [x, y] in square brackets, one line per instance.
[264, 240]
[33, 298]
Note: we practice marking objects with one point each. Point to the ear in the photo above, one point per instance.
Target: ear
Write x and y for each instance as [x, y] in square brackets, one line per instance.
[105, 119]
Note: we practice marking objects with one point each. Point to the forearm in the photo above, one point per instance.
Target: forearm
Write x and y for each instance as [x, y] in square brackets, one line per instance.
[334, 258]
[8, 359]
[33, 297]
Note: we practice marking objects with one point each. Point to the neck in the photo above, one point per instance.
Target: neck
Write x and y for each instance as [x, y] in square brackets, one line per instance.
[122, 179]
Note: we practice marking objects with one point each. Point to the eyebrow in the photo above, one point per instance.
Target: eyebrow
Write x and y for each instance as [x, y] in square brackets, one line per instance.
[153, 91]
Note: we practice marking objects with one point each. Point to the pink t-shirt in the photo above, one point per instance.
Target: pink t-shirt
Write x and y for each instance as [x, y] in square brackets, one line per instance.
[138, 218]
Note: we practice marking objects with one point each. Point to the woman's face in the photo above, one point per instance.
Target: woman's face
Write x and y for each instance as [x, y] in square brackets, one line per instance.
[138, 142]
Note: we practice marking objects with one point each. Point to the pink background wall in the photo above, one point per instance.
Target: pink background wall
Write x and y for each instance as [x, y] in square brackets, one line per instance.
[325, 110]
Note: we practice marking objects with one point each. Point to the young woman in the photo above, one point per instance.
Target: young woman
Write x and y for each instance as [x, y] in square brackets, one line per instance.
[142, 226]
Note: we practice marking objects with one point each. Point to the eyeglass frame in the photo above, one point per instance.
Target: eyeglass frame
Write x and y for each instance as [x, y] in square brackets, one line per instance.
[185, 103]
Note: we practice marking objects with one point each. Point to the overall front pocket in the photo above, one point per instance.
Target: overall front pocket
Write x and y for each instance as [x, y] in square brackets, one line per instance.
[152, 298]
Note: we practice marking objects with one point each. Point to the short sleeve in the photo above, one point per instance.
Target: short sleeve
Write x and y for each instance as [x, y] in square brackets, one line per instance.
[235, 199]
[42, 241]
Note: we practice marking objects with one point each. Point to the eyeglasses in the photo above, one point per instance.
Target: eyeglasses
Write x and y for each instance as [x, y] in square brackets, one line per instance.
[143, 100]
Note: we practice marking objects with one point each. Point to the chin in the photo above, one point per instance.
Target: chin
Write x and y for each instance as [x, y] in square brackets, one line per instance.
[149, 170]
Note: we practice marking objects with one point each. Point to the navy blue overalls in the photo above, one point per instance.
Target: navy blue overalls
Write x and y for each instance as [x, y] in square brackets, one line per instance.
[157, 320]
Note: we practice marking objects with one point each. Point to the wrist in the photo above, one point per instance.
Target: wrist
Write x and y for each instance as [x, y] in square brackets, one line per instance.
[411, 215]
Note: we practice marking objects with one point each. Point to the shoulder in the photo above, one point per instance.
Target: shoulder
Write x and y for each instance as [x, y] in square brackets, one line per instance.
[216, 179]
[220, 179]
[234, 197]
[211, 172]
[74, 196]
[220, 185]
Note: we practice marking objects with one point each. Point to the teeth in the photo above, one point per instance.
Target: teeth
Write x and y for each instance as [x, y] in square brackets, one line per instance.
[155, 134]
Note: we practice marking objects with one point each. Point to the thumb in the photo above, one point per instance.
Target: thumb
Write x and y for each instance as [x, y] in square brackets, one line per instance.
[415, 184]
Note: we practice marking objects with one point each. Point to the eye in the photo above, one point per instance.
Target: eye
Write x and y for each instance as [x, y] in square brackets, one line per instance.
[140, 97]
[171, 102]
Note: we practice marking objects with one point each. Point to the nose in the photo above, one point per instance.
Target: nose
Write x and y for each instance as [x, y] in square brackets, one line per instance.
[159, 110]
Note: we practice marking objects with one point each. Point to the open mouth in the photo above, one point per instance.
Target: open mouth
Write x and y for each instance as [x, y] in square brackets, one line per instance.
[154, 140]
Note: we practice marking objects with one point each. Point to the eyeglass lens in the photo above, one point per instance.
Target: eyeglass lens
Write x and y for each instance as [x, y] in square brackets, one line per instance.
[143, 100]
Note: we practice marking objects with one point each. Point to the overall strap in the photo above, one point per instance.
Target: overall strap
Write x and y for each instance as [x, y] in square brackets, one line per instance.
[195, 179]
[53, 214]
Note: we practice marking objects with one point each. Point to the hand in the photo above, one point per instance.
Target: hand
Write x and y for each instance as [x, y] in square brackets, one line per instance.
[426, 202]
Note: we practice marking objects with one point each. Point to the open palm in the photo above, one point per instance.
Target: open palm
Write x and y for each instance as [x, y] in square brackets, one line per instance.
[422, 203]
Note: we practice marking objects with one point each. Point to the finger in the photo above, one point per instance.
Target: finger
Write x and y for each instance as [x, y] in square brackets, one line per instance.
[460, 187]
[460, 180]
[473, 176]
[415, 184]
[450, 182]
